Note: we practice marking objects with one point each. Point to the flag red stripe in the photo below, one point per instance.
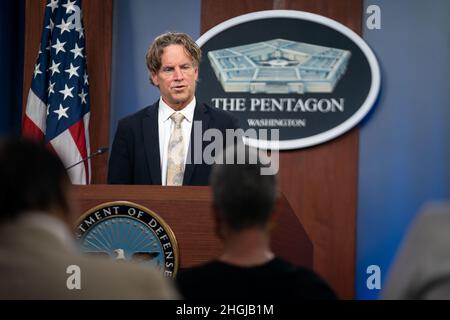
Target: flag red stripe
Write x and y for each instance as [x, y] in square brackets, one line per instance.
[30, 130]
[51, 149]
[78, 133]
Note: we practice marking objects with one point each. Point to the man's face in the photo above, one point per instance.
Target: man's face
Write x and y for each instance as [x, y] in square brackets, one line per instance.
[177, 77]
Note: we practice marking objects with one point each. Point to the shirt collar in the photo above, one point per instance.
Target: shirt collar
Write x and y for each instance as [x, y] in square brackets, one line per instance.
[165, 111]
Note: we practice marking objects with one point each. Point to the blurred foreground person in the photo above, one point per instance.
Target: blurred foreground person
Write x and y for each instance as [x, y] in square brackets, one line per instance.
[422, 267]
[243, 202]
[38, 257]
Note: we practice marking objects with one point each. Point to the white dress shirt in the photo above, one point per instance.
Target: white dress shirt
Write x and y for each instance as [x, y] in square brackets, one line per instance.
[165, 127]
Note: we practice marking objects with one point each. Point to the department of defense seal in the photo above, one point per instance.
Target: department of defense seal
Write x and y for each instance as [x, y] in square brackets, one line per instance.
[127, 231]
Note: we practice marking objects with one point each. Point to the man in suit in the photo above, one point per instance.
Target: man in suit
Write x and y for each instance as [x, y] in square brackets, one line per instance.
[421, 269]
[38, 255]
[157, 145]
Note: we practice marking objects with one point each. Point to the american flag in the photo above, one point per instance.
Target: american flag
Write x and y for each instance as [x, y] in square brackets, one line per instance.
[58, 106]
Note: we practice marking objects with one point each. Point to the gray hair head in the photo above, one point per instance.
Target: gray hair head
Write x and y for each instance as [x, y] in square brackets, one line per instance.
[155, 52]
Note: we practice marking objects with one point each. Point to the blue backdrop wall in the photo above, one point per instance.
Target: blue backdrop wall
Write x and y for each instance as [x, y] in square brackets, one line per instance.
[405, 143]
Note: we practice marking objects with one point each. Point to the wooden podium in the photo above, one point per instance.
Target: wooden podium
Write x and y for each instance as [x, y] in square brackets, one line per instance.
[187, 210]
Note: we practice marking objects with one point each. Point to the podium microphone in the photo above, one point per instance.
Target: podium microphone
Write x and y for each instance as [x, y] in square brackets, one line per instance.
[96, 153]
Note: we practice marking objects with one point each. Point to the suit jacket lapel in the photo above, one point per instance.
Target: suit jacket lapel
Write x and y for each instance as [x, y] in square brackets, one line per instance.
[151, 143]
[200, 114]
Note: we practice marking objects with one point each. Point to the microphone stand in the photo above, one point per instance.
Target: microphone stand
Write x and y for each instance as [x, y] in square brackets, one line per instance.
[96, 153]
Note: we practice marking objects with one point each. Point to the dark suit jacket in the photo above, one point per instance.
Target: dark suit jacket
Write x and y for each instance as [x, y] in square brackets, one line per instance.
[135, 157]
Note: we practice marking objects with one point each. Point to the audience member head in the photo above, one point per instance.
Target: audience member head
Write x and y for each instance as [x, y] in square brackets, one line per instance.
[32, 179]
[243, 197]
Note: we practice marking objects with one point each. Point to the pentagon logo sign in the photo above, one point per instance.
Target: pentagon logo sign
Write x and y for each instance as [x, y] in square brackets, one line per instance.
[127, 231]
[306, 75]
[279, 66]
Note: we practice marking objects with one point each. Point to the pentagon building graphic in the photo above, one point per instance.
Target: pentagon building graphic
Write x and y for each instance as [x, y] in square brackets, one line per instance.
[279, 66]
